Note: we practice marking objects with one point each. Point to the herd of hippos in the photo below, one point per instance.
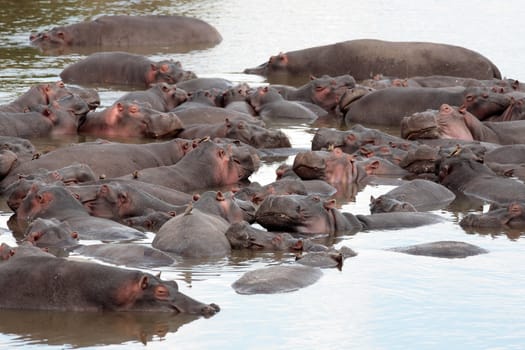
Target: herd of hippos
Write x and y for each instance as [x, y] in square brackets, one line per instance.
[461, 128]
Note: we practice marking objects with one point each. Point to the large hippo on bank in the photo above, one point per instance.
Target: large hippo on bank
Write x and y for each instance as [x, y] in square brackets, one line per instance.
[109, 32]
[365, 58]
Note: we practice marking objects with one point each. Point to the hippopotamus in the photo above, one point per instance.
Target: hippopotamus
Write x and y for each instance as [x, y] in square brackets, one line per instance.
[75, 173]
[220, 203]
[161, 96]
[118, 201]
[271, 106]
[126, 32]
[242, 235]
[204, 115]
[127, 254]
[195, 84]
[207, 166]
[389, 106]
[414, 195]
[324, 91]
[304, 214]
[453, 122]
[122, 69]
[442, 249]
[199, 98]
[236, 99]
[49, 283]
[396, 220]
[130, 119]
[194, 234]
[326, 259]
[475, 179]
[507, 160]
[119, 158]
[151, 222]
[510, 216]
[40, 94]
[40, 121]
[339, 168]
[54, 201]
[354, 138]
[247, 132]
[45, 233]
[277, 279]
[365, 58]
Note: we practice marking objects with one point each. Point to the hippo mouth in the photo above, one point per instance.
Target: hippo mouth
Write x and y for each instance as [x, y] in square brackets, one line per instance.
[424, 133]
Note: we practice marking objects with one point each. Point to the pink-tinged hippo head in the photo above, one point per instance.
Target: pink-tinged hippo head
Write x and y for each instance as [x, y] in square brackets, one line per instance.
[130, 119]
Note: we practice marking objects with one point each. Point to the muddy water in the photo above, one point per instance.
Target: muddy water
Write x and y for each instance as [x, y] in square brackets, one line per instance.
[380, 299]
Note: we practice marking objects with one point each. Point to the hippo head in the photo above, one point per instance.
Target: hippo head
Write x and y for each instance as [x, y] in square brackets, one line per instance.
[297, 213]
[511, 216]
[46, 233]
[335, 167]
[57, 37]
[421, 125]
[137, 291]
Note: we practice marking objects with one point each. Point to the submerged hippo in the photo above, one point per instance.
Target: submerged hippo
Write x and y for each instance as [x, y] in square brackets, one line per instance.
[442, 249]
[123, 69]
[277, 279]
[511, 216]
[107, 32]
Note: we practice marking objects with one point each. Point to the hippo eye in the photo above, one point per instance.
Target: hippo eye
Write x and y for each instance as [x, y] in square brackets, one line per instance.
[470, 98]
[133, 109]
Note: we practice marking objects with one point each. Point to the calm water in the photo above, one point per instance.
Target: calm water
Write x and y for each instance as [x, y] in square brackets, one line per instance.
[380, 299]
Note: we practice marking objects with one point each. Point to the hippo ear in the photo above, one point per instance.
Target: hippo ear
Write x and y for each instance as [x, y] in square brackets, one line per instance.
[371, 167]
[123, 198]
[143, 282]
[164, 68]
[154, 67]
[312, 77]
[46, 112]
[329, 204]
[228, 123]
[220, 197]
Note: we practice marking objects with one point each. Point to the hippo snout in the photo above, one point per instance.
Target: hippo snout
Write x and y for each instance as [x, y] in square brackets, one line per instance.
[210, 310]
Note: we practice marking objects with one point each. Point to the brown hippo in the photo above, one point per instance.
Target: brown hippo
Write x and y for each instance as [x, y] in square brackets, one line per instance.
[122, 69]
[247, 132]
[477, 180]
[119, 158]
[365, 58]
[57, 202]
[130, 119]
[271, 106]
[194, 234]
[49, 283]
[457, 123]
[41, 94]
[207, 166]
[304, 214]
[415, 195]
[119, 200]
[40, 121]
[161, 96]
[125, 32]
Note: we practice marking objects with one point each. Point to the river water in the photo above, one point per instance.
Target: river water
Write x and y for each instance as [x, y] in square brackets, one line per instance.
[380, 299]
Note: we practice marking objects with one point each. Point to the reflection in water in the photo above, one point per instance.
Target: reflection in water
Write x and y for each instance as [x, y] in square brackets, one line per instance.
[81, 329]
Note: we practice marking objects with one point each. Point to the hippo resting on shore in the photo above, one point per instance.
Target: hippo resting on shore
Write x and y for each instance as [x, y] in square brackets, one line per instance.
[109, 32]
[44, 282]
[365, 58]
[456, 123]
